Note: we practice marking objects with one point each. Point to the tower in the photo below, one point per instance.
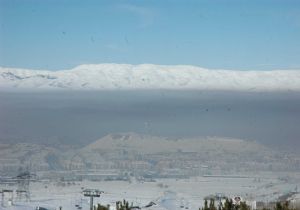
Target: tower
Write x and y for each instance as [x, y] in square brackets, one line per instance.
[23, 181]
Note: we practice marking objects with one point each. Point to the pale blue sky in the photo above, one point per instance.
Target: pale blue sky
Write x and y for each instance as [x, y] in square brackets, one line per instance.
[229, 34]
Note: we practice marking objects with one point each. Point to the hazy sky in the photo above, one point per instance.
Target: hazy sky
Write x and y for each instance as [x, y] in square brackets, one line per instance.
[231, 34]
[83, 117]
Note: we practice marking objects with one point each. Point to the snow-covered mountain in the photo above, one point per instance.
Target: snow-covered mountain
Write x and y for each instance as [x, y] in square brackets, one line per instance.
[148, 76]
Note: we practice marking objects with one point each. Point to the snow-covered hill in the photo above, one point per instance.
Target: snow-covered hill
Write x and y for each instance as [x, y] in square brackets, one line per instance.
[148, 76]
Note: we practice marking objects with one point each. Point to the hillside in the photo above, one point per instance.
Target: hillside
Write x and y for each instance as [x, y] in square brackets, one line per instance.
[147, 144]
[142, 154]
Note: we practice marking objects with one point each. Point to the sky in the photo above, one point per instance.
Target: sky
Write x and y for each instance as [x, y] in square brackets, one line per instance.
[218, 34]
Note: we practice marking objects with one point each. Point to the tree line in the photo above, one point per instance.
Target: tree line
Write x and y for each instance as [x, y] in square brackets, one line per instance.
[208, 205]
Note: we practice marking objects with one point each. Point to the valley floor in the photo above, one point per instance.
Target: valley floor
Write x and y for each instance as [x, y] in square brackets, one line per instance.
[169, 194]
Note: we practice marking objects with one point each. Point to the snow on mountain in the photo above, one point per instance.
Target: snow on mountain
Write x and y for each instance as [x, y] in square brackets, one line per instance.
[148, 76]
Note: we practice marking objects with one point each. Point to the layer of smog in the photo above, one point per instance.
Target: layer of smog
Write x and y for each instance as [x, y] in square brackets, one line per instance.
[79, 118]
[156, 149]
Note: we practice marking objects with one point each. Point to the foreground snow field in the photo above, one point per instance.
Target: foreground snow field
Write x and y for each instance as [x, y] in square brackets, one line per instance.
[166, 193]
[148, 76]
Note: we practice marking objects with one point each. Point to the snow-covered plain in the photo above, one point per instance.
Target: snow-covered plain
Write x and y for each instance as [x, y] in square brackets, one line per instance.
[148, 76]
[169, 194]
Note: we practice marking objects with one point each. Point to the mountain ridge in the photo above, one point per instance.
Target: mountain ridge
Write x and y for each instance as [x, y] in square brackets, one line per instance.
[148, 76]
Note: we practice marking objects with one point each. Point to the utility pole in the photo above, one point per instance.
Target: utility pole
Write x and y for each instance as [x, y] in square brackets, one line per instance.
[92, 193]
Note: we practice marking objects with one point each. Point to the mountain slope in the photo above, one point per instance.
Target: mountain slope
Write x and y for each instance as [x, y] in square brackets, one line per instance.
[218, 152]
[129, 150]
[147, 76]
[147, 144]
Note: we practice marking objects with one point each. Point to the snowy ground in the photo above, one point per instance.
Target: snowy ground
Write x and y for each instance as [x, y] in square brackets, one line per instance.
[166, 193]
